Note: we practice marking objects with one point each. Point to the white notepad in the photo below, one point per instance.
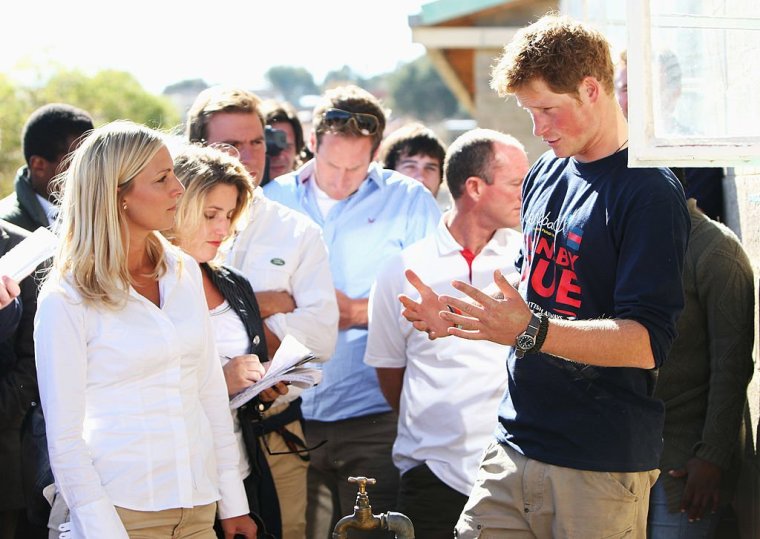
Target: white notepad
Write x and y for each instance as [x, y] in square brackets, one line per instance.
[22, 260]
[289, 364]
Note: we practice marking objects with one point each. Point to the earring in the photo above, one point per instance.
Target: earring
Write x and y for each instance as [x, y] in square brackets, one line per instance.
[124, 205]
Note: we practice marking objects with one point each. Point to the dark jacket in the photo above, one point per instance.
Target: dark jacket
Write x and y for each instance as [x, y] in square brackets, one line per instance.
[18, 380]
[10, 316]
[704, 381]
[259, 486]
[22, 208]
[238, 292]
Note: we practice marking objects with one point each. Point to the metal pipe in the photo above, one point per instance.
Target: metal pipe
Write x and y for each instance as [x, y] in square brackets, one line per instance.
[399, 524]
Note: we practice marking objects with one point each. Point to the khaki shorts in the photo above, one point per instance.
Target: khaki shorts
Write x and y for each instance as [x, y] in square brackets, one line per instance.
[515, 497]
[195, 523]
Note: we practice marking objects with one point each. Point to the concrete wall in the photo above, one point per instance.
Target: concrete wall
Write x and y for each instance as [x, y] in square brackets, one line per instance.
[741, 188]
[493, 112]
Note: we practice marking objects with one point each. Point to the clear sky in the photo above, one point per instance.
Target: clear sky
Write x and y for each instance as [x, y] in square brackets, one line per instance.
[221, 41]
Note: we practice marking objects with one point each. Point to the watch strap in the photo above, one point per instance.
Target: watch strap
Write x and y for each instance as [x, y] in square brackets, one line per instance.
[534, 325]
[543, 329]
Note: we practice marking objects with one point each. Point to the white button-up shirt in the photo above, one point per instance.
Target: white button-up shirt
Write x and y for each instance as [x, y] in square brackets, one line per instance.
[135, 403]
[282, 250]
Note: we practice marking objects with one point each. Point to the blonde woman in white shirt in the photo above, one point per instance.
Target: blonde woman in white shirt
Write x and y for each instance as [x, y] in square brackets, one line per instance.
[138, 423]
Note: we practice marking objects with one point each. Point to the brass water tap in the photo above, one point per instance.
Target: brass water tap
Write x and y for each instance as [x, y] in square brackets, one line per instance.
[363, 519]
[362, 500]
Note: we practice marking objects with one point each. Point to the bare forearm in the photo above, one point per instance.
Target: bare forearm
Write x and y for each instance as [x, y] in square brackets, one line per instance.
[271, 302]
[273, 342]
[353, 312]
[359, 312]
[605, 343]
[391, 383]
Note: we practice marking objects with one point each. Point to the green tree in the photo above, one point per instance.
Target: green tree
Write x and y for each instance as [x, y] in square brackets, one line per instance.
[108, 95]
[291, 82]
[416, 89]
[15, 111]
[194, 86]
[344, 75]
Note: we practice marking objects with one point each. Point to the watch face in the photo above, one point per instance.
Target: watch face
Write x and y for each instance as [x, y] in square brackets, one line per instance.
[525, 342]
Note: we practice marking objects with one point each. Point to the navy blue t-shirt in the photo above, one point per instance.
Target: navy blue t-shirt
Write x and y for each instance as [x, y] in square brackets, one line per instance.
[600, 241]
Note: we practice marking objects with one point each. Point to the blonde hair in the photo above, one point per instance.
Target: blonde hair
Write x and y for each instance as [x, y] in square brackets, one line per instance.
[94, 238]
[200, 169]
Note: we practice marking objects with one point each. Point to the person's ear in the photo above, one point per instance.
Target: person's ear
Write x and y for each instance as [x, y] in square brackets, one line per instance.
[590, 89]
[313, 142]
[474, 187]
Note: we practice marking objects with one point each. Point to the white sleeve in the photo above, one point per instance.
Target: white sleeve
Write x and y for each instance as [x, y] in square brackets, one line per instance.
[314, 322]
[61, 355]
[216, 405]
[388, 332]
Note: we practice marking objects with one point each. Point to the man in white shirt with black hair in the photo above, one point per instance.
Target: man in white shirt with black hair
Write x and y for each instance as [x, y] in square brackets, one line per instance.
[447, 391]
[283, 255]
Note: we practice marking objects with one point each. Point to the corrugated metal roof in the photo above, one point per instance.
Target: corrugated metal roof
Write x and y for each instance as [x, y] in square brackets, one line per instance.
[444, 10]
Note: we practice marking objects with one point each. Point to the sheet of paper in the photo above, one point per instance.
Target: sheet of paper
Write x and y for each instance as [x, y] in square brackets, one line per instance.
[22, 260]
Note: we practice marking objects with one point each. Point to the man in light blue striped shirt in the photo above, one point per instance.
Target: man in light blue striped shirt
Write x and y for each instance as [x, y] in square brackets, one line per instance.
[367, 214]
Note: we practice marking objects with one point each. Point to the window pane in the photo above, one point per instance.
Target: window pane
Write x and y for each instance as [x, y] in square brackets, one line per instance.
[704, 56]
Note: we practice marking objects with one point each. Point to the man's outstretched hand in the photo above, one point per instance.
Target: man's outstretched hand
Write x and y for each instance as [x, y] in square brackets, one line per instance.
[484, 317]
[424, 314]
[498, 316]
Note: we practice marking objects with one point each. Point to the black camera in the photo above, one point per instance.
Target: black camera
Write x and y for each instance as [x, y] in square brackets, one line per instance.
[276, 139]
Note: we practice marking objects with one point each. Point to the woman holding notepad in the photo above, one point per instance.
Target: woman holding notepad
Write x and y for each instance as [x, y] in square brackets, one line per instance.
[218, 190]
[138, 424]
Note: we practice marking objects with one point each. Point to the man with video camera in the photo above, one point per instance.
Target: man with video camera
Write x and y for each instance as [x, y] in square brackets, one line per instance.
[281, 116]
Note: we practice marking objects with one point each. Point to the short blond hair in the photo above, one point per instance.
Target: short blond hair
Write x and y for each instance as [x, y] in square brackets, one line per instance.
[200, 169]
[558, 50]
[94, 237]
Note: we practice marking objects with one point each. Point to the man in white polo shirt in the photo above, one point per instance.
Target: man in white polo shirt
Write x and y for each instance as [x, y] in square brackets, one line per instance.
[447, 391]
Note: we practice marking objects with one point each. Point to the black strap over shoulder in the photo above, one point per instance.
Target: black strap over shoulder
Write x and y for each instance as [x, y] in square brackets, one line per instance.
[258, 427]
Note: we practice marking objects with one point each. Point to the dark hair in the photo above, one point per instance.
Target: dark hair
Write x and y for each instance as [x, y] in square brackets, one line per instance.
[283, 112]
[219, 99]
[351, 99]
[411, 139]
[48, 130]
[471, 154]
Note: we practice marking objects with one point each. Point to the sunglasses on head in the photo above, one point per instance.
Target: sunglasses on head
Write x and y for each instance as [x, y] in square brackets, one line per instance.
[223, 147]
[339, 120]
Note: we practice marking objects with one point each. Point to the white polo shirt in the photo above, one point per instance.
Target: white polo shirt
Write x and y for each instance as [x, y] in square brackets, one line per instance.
[452, 387]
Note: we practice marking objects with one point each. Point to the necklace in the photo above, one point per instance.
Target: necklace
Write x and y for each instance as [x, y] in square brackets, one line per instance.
[622, 145]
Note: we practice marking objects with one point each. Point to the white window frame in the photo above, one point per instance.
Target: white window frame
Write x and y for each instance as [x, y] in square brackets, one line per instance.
[645, 150]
